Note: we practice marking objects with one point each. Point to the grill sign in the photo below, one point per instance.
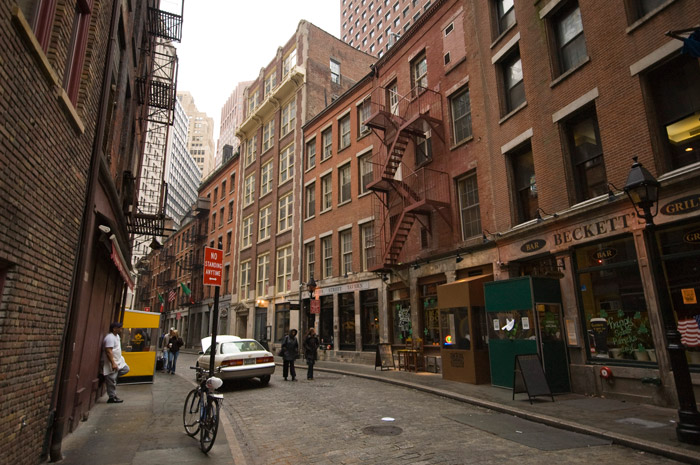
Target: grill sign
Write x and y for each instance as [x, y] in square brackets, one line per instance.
[533, 245]
[604, 254]
[682, 205]
[693, 237]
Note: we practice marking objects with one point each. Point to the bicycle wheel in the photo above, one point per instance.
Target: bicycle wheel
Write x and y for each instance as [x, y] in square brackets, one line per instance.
[210, 426]
[190, 414]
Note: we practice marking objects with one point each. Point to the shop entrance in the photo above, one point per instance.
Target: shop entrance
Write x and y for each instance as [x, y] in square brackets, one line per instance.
[524, 317]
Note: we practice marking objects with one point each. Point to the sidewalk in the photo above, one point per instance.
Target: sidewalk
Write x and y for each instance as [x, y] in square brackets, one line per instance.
[147, 427]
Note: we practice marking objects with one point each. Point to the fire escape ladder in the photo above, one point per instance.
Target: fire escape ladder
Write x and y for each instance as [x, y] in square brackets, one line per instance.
[398, 237]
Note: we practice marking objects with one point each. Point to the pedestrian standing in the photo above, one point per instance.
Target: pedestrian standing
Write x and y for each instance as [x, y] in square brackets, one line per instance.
[165, 347]
[113, 363]
[311, 344]
[290, 351]
[174, 344]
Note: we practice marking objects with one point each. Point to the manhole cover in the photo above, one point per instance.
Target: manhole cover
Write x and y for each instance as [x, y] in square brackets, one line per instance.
[383, 430]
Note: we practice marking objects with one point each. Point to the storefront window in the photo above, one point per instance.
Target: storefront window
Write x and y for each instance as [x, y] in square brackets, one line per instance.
[346, 310]
[454, 323]
[612, 298]
[400, 311]
[431, 321]
[680, 249]
[369, 303]
[281, 321]
[326, 324]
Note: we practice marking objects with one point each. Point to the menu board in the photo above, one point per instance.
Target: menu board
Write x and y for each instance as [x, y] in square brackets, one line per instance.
[384, 358]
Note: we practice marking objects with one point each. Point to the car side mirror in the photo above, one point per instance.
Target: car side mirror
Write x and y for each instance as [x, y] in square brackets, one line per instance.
[201, 353]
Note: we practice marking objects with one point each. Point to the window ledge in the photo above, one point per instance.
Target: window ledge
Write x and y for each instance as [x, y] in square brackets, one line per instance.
[326, 159]
[462, 142]
[344, 148]
[310, 168]
[284, 231]
[267, 150]
[569, 72]
[325, 211]
[262, 196]
[513, 112]
[345, 202]
[364, 194]
[263, 240]
[455, 65]
[289, 179]
[246, 247]
[644, 19]
[364, 134]
[308, 218]
[503, 34]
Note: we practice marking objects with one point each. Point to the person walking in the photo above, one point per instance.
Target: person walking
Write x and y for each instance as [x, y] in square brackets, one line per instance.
[113, 363]
[290, 351]
[165, 347]
[311, 344]
[174, 344]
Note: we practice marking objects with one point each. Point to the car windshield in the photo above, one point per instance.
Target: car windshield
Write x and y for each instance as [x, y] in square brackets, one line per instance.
[240, 346]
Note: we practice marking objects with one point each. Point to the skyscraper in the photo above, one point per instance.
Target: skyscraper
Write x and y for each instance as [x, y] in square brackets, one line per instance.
[231, 118]
[200, 135]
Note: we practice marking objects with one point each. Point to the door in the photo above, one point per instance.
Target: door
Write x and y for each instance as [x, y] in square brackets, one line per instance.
[550, 336]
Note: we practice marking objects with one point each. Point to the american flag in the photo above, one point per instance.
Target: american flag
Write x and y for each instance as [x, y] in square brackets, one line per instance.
[690, 331]
[171, 295]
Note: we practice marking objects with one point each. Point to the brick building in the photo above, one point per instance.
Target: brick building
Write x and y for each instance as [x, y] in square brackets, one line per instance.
[73, 124]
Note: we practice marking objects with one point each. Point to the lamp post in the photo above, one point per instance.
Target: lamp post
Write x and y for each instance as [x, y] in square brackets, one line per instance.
[643, 190]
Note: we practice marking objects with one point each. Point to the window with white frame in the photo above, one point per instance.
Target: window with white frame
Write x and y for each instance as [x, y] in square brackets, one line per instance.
[326, 192]
[247, 232]
[284, 269]
[367, 237]
[289, 113]
[266, 178]
[346, 251]
[251, 149]
[363, 112]
[244, 278]
[327, 140]
[268, 135]
[470, 214]
[365, 171]
[263, 277]
[264, 223]
[270, 83]
[311, 154]
[344, 132]
[310, 260]
[249, 190]
[327, 256]
[419, 74]
[286, 163]
[460, 107]
[392, 96]
[335, 71]
[286, 210]
[290, 61]
[344, 183]
[230, 211]
[253, 101]
[310, 197]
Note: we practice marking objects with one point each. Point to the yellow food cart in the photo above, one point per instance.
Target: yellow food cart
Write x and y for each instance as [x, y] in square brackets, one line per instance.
[140, 345]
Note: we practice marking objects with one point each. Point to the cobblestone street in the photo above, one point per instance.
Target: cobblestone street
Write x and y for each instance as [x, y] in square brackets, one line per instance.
[338, 419]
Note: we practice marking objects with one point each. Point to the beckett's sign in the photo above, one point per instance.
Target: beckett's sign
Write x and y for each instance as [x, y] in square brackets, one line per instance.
[213, 265]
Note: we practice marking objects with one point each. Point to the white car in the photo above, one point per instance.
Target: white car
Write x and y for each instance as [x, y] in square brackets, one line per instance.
[237, 358]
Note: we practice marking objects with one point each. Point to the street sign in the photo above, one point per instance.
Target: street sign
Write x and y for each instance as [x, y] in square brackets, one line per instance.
[315, 306]
[213, 266]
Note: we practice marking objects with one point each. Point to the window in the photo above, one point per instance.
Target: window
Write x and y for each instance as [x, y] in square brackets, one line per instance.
[419, 73]
[326, 192]
[223, 189]
[450, 27]
[363, 112]
[344, 132]
[266, 178]
[571, 44]
[286, 210]
[281, 321]
[213, 221]
[346, 251]
[268, 135]
[216, 195]
[514, 88]
[587, 155]
[366, 175]
[77, 48]
[310, 196]
[327, 140]
[335, 71]
[221, 217]
[289, 113]
[290, 62]
[253, 102]
[524, 185]
[247, 232]
[286, 163]
[270, 83]
[469, 206]
[367, 238]
[344, 183]
[424, 149]
[230, 211]
[327, 257]
[284, 269]
[249, 190]
[675, 110]
[506, 15]
[311, 154]
[310, 254]
[263, 277]
[641, 8]
[40, 16]
[264, 223]
[227, 280]
[245, 280]
[228, 242]
[405, 12]
[250, 150]
[393, 97]
[233, 182]
[461, 116]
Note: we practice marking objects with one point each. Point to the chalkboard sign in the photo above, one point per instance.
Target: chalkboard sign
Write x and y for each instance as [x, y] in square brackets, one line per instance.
[384, 358]
[528, 376]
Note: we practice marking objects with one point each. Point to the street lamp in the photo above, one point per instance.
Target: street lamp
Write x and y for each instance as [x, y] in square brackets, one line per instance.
[311, 287]
[643, 191]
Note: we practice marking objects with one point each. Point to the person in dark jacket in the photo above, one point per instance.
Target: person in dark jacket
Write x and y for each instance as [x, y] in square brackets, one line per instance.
[174, 344]
[311, 344]
[290, 351]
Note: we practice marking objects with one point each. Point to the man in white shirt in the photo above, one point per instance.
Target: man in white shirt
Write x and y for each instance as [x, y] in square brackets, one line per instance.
[113, 364]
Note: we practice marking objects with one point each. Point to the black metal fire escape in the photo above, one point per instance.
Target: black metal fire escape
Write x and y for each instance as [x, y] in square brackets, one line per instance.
[404, 197]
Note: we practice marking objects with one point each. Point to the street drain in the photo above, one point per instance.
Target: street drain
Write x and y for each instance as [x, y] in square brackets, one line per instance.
[382, 430]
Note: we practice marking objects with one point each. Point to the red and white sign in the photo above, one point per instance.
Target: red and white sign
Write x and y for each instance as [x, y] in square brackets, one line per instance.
[213, 266]
[315, 307]
[146, 309]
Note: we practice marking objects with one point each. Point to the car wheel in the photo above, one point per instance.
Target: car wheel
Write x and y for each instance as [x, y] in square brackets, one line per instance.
[265, 380]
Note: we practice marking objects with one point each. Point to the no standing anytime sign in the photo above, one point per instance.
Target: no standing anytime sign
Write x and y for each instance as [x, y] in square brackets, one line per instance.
[213, 265]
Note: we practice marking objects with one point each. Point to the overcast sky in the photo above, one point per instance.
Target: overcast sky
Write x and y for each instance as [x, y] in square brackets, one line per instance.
[228, 41]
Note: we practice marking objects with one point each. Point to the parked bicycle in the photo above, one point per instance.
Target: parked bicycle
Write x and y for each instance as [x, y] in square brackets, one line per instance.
[201, 412]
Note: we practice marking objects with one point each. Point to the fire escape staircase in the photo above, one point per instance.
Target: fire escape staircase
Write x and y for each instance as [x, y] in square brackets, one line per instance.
[403, 197]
